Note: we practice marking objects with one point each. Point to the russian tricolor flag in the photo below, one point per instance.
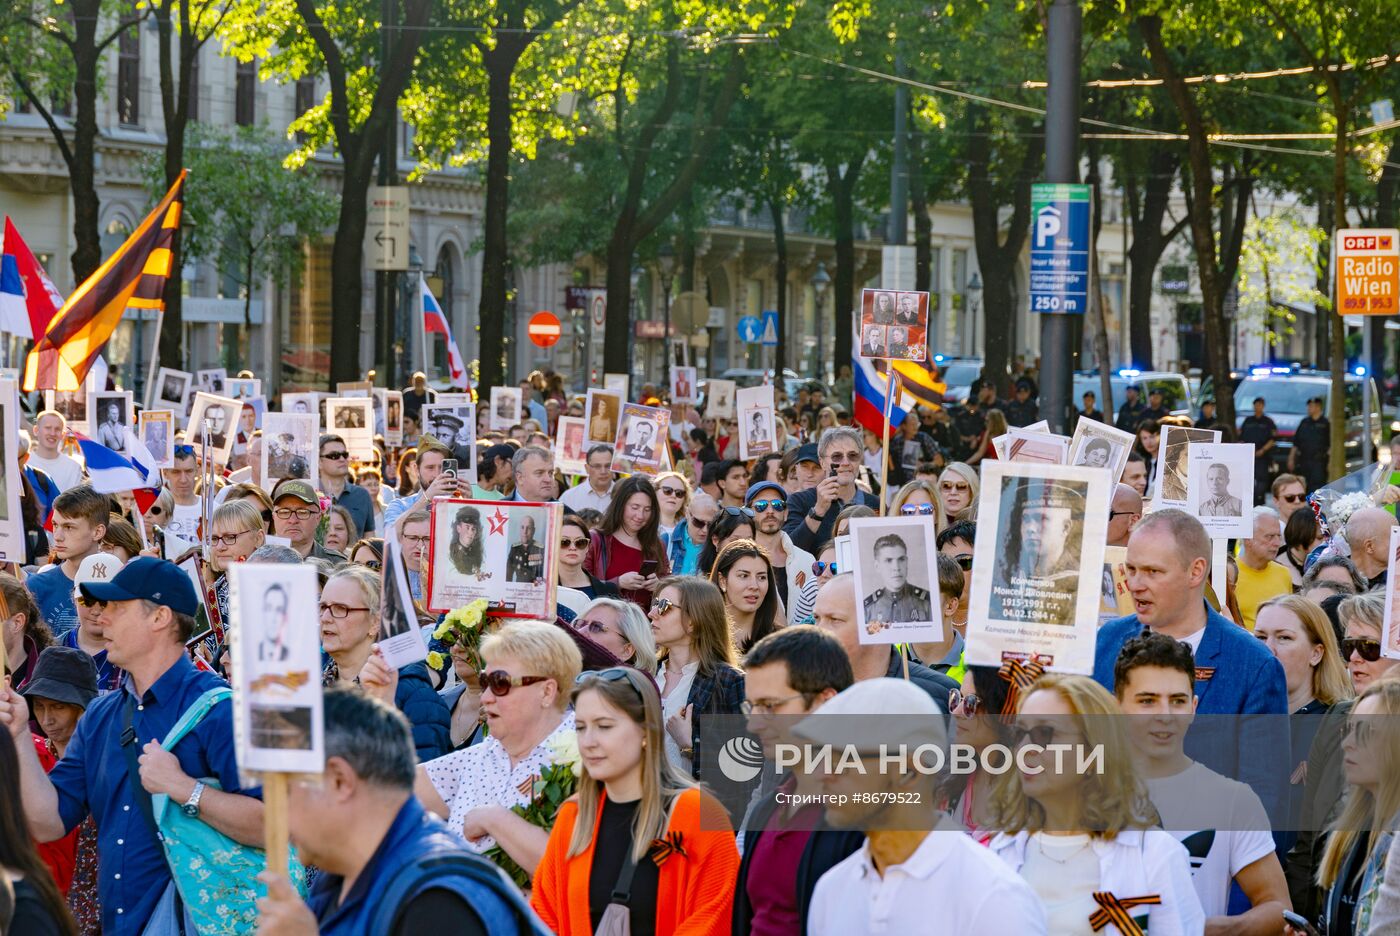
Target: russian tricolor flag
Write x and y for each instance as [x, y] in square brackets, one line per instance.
[434, 321]
[870, 400]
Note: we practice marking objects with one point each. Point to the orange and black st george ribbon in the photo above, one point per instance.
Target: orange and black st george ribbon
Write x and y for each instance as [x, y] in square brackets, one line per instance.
[132, 278]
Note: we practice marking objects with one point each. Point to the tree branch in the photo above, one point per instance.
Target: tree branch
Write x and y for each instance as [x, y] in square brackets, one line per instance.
[63, 147]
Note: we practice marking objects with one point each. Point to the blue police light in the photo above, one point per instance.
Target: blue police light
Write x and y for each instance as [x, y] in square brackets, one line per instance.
[1130, 372]
[1281, 370]
[1359, 370]
[938, 358]
[1259, 371]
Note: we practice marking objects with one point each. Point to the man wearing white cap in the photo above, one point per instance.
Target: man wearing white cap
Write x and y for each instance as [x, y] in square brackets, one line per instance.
[917, 865]
[87, 636]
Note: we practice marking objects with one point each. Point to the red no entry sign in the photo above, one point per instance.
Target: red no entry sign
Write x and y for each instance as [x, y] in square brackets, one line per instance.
[544, 329]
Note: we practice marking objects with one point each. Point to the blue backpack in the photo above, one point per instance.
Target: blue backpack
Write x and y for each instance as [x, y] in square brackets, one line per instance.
[215, 875]
[484, 886]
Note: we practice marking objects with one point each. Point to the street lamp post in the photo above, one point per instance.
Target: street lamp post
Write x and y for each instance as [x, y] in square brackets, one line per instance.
[974, 299]
[820, 281]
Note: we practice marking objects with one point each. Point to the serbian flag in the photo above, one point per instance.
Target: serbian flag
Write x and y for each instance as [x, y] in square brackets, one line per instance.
[132, 278]
[41, 298]
[434, 321]
[14, 315]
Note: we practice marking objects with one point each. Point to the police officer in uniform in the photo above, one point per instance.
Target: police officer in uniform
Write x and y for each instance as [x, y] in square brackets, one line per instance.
[968, 423]
[526, 560]
[1156, 409]
[1022, 409]
[897, 601]
[1312, 443]
[1130, 413]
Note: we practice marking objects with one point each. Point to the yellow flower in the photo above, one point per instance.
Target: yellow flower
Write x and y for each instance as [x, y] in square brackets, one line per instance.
[436, 660]
[444, 630]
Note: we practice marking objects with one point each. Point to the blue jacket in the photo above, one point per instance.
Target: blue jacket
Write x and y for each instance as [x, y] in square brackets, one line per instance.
[683, 554]
[1236, 676]
[425, 710]
[414, 834]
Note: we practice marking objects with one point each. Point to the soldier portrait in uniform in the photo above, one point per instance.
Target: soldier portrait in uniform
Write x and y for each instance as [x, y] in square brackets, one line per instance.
[896, 579]
[603, 409]
[506, 406]
[289, 450]
[502, 551]
[525, 563]
[1219, 502]
[1038, 549]
[882, 310]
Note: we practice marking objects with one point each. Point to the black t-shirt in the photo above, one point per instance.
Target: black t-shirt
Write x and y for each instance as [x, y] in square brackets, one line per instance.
[31, 916]
[413, 402]
[1257, 431]
[439, 911]
[610, 850]
[1129, 415]
[970, 424]
[1313, 438]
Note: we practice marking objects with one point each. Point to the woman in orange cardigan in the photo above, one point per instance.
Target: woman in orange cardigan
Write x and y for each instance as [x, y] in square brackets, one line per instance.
[634, 809]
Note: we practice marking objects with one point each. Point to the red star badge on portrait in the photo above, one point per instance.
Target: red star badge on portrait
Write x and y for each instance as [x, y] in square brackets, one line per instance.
[498, 522]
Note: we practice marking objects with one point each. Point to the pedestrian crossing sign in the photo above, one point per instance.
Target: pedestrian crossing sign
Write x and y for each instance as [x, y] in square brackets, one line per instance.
[770, 329]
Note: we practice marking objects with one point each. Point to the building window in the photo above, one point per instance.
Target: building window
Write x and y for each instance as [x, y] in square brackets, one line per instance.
[129, 78]
[245, 81]
[304, 99]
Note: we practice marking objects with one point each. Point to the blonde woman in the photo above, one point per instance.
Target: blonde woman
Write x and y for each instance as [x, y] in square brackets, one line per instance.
[916, 499]
[238, 530]
[527, 670]
[633, 808]
[673, 497]
[1354, 862]
[1077, 836]
[959, 486]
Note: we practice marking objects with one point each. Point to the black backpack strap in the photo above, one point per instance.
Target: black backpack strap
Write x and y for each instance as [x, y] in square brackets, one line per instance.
[133, 769]
[435, 866]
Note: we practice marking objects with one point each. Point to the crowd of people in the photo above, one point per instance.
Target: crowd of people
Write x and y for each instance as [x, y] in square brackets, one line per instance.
[710, 590]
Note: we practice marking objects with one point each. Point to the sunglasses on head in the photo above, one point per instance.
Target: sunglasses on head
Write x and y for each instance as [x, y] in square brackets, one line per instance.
[611, 674]
[921, 510]
[501, 683]
[1370, 650]
[777, 506]
[819, 568]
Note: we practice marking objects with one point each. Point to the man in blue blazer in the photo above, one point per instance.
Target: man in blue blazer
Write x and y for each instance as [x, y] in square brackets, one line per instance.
[1168, 562]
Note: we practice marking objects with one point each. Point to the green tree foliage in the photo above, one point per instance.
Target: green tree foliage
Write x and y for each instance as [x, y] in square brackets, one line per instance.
[245, 211]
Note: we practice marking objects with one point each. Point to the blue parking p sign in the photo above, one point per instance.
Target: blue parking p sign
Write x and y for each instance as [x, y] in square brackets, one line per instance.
[1060, 248]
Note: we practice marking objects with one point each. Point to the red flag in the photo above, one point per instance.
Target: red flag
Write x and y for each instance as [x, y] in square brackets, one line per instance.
[40, 295]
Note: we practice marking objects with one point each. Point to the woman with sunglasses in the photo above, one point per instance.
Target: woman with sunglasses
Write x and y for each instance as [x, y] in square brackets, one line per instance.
[349, 621]
[622, 629]
[672, 496]
[744, 576]
[958, 490]
[1354, 862]
[916, 499]
[1362, 617]
[635, 827]
[574, 540]
[698, 673]
[368, 552]
[729, 525]
[158, 514]
[1076, 836]
[626, 550]
[527, 668]
[979, 721]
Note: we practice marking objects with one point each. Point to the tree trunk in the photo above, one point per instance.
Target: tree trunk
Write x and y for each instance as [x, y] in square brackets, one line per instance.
[635, 223]
[841, 184]
[1200, 205]
[923, 227]
[780, 272]
[347, 264]
[500, 66]
[245, 340]
[1096, 304]
[175, 107]
[87, 256]
[1149, 243]
[1322, 324]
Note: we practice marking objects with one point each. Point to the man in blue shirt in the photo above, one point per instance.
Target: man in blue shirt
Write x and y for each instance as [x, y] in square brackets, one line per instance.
[1168, 561]
[336, 483]
[362, 825]
[148, 616]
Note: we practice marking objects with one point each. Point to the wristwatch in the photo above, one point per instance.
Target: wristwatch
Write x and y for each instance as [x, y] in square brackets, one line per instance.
[813, 515]
[191, 806]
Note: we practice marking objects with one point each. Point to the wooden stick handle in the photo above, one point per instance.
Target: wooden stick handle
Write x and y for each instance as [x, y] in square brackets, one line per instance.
[275, 821]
